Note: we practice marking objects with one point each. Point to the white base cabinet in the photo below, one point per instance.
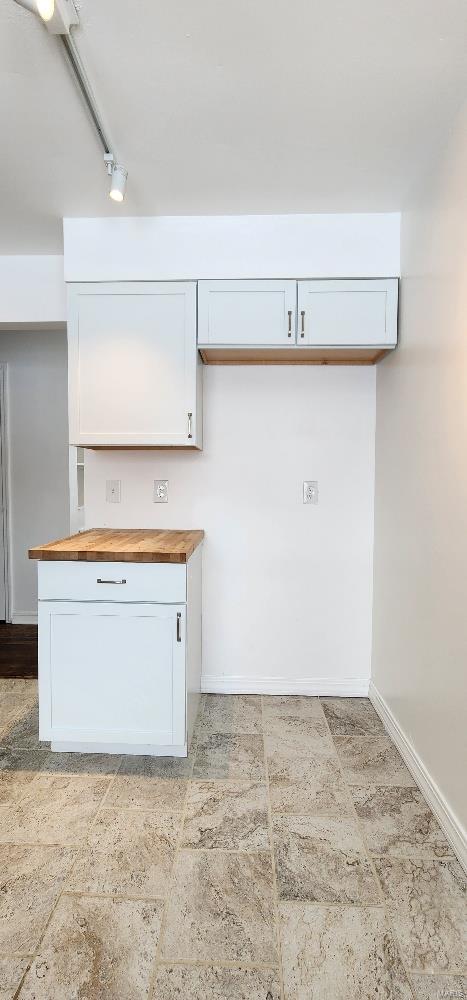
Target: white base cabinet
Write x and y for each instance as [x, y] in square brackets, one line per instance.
[115, 675]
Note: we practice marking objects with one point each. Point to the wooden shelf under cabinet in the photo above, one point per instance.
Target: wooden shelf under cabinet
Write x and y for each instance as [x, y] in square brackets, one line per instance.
[290, 356]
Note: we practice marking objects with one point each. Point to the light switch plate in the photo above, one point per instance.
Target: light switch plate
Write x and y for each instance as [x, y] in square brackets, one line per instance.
[113, 490]
[310, 491]
[161, 491]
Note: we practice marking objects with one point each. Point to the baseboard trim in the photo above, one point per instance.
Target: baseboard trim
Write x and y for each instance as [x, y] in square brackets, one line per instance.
[448, 821]
[23, 618]
[343, 687]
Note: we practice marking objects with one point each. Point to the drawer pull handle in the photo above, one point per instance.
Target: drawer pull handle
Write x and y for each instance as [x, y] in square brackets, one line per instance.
[110, 581]
[302, 314]
[289, 331]
[179, 633]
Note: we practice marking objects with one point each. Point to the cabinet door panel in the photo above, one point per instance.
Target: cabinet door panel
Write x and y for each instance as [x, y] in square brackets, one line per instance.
[133, 362]
[347, 313]
[112, 673]
[246, 313]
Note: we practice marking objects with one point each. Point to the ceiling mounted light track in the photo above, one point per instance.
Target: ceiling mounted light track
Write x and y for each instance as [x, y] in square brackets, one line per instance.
[59, 16]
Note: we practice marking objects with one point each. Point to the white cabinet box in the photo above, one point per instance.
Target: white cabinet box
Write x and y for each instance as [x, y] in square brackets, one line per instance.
[119, 655]
[289, 322]
[134, 372]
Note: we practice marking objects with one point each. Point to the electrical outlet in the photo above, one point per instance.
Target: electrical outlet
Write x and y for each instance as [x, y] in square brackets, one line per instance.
[113, 490]
[161, 491]
[310, 491]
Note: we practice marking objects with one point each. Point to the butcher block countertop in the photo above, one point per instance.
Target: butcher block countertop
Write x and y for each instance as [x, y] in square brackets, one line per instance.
[141, 545]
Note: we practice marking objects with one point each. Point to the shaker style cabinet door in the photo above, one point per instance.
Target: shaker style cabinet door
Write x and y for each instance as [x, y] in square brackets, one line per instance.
[347, 313]
[246, 313]
[133, 365]
[112, 672]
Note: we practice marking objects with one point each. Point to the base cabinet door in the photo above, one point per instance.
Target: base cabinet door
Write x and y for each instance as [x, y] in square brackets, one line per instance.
[347, 313]
[112, 673]
[133, 365]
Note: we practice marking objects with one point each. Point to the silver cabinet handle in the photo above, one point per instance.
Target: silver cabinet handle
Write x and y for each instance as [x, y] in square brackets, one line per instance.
[179, 620]
[190, 420]
[119, 582]
[289, 329]
[302, 314]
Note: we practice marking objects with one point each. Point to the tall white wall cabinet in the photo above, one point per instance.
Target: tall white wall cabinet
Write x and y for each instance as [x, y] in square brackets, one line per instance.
[134, 369]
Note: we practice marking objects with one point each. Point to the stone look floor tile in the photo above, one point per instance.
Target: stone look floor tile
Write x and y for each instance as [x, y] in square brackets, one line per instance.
[11, 973]
[128, 853]
[17, 769]
[428, 908]
[303, 780]
[220, 909]
[84, 764]
[150, 783]
[24, 733]
[226, 814]
[17, 697]
[439, 987]
[96, 949]
[290, 707]
[352, 717]
[340, 953]
[322, 860]
[308, 732]
[55, 809]
[223, 755]
[397, 821]
[373, 761]
[189, 982]
[169, 768]
[31, 879]
[227, 713]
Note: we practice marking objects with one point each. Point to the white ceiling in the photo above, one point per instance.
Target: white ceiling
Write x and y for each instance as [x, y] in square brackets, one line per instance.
[226, 106]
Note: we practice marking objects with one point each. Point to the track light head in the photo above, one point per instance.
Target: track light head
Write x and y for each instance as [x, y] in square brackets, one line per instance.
[58, 15]
[118, 182]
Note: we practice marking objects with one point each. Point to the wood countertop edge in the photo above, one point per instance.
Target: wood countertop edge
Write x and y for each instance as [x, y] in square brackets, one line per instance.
[49, 553]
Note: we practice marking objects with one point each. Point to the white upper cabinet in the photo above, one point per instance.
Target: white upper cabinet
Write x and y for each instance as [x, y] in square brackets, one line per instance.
[247, 313]
[357, 313]
[134, 372]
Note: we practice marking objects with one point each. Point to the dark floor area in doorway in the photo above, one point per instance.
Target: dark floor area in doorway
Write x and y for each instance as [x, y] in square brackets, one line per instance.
[18, 650]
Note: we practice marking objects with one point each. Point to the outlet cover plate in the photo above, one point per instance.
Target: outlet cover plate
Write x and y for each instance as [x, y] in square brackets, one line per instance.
[113, 490]
[310, 491]
[161, 491]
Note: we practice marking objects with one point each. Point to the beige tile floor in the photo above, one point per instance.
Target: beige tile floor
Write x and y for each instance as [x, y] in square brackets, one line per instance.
[291, 857]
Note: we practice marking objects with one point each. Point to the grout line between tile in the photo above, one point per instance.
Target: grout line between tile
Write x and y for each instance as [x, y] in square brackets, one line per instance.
[158, 955]
[273, 863]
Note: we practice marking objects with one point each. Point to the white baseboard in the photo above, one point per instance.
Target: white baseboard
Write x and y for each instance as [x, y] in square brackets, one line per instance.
[447, 820]
[344, 687]
[23, 618]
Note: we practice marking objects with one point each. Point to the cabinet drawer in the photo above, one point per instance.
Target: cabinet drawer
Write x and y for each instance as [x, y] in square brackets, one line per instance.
[91, 581]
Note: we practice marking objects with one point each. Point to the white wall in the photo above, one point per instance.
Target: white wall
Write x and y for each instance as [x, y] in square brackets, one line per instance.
[242, 246]
[32, 292]
[38, 454]
[420, 594]
[287, 588]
